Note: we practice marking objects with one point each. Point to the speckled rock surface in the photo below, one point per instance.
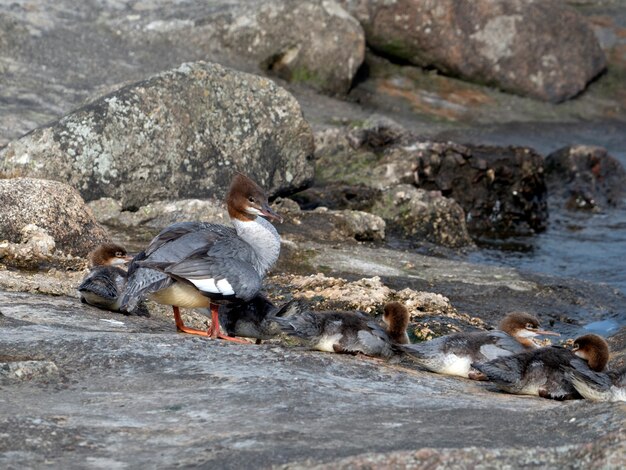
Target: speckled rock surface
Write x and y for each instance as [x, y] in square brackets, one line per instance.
[424, 215]
[129, 391]
[540, 49]
[159, 214]
[180, 134]
[52, 206]
[585, 177]
[315, 42]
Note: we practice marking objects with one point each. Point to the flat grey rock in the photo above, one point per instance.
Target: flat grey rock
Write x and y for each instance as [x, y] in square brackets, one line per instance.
[133, 393]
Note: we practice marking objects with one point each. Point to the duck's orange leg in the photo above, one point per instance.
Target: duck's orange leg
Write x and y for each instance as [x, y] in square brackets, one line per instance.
[214, 330]
[180, 326]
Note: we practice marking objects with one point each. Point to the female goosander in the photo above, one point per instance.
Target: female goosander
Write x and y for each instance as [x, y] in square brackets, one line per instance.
[253, 319]
[454, 354]
[542, 371]
[104, 284]
[599, 386]
[199, 265]
[345, 332]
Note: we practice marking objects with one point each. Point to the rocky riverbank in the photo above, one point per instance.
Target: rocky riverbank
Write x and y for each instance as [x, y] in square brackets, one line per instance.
[323, 103]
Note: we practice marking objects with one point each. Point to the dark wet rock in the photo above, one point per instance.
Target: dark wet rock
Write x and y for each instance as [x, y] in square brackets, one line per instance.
[585, 177]
[423, 215]
[338, 196]
[180, 134]
[501, 189]
[314, 42]
[540, 49]
[53, 207]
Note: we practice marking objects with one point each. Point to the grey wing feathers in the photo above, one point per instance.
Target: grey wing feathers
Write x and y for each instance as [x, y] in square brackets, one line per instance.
[503, 371]
[590, 384]
[142, 281]
[101, 284]
[501, 344]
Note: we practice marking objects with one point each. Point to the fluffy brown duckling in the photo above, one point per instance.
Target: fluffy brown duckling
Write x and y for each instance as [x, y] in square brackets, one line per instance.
[544, 371]
[104, 285]
[346, 332]
[454, 354]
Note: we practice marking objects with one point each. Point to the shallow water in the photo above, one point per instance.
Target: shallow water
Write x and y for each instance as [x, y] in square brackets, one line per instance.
[579, 245]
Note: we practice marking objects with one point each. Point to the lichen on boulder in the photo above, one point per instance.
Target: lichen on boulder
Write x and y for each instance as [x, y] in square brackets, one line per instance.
[180, 134]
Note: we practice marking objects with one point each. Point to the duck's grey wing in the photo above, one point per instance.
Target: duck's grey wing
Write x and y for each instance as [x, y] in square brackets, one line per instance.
[142, 281]
[590, 384]
[217, 277]
[497, 344]
[506, 371]
[295, 319]
[374, 341]
[176, 231]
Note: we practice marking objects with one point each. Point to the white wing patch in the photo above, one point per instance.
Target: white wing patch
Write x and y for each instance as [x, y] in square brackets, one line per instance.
[209, 285]
[224, 287]
[491, 351]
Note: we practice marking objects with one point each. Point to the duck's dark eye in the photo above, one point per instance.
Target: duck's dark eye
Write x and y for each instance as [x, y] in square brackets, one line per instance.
[530, 326]
[575, 346]
[251, 199]
[119, 254]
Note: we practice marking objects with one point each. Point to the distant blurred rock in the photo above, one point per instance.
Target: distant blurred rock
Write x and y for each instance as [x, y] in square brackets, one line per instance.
[542, 49]
[501, 189]
[33, 210]
[424, 215]
[315, 42]
[158, 214]
[182, 133]
[585, 177]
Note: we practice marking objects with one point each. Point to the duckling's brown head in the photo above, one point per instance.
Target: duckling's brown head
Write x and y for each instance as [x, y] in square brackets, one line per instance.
[396, 317]
[523, 327]
[246, 200]
[593, 349]
[108, 254]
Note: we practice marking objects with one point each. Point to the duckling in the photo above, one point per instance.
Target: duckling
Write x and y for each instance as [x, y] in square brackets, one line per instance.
[454, 354]
[599, 386]
[252, 319]
[542, 371]
[396, 317]
[346, 332]
[103, 286]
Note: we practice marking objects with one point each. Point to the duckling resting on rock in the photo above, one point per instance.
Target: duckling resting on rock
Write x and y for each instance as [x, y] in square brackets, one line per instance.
[104, 286]
[347, 332]
[253, 319]
[454, 354]
[543, 371]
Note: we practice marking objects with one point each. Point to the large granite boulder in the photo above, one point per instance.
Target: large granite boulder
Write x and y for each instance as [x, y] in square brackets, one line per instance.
[543, 49]
[53, 207]
[585, 177]
[180, 134]
[315, 42]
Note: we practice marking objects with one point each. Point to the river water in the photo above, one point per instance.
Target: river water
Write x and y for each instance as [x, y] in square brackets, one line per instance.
[579, 245]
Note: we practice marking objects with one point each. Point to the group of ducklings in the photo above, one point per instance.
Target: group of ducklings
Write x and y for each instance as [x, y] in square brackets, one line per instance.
[506, 356]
